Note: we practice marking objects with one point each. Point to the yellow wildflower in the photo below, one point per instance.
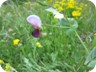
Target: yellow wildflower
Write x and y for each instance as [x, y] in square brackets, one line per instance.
[63, 0]
[7, 67]
[38, 45]
[57, 2]
[60, 8]
[62, 3]
[56, 5]
[16, 42]
[71, 4]
[76, 13]
[1, 62]
[49, 1]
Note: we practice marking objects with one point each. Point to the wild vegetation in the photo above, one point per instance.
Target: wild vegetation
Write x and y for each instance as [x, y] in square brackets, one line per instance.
[66, 42]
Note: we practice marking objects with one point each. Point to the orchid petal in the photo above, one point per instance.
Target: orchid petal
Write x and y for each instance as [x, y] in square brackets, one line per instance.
[34, 20]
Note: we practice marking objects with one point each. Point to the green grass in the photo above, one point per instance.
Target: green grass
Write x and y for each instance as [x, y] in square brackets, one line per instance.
[60, 52]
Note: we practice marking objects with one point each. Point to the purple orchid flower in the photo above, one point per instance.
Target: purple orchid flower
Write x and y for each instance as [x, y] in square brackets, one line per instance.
[36, 33]
[36, 22]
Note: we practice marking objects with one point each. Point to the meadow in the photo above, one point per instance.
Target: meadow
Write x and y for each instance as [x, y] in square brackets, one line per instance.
[58, 49]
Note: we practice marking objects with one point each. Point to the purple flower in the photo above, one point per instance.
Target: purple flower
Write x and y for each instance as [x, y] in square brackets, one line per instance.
[34, 20]
[36, 33]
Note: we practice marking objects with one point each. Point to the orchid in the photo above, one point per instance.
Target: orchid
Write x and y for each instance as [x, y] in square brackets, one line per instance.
[94, 2]
[2, 1]
[36, 23]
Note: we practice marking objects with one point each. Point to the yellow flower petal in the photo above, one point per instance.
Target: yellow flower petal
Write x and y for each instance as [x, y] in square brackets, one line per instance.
[7, 67]
[38, 45]
[76, 13]
[1, 62]
[16, 42]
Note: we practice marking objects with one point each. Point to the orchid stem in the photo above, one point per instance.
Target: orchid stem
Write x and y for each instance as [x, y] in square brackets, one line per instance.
[34, 52]
[82, 42]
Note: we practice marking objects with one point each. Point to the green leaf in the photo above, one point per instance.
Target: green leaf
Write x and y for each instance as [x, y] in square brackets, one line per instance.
[92, 63]
[70, 24]
[52, 10]
[91, 58]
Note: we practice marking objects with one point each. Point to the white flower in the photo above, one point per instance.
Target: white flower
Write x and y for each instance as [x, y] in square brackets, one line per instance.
[94, 2]
[1, 69]
[93, 70]
[58, 16]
